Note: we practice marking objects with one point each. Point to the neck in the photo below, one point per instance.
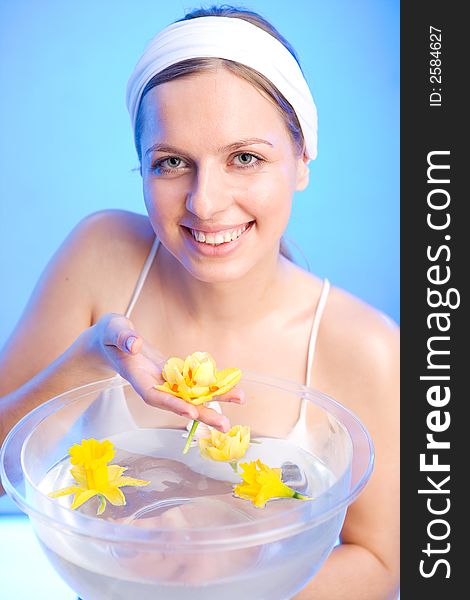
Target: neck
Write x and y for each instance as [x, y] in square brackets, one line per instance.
[232, 305]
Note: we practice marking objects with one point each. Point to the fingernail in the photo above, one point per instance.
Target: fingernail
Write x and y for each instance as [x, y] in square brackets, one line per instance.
[129, 343]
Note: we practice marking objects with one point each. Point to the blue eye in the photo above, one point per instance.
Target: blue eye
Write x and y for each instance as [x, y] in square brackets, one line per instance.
[168, 164]
[173, 162]
[247, 159]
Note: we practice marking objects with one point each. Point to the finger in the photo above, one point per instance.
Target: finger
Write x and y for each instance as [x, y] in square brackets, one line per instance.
[211, 417]
[168, 402]
[130, 342]
[119, 332]
[236, 394]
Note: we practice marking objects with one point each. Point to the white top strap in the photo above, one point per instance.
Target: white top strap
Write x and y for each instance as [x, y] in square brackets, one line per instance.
[315, 327]
[143, 276]
[299, 429]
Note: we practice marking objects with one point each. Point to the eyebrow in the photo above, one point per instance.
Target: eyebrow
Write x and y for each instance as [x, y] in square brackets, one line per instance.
[162, 147]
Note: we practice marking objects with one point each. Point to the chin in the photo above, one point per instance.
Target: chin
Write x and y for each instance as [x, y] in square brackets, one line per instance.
[222, 273]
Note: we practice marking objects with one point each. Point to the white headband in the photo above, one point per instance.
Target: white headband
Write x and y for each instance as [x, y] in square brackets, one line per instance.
[233, 39]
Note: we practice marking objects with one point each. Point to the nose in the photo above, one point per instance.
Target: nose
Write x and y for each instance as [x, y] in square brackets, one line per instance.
[209, 193]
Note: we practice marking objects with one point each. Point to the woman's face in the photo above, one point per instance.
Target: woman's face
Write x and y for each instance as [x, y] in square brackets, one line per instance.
[219, 171]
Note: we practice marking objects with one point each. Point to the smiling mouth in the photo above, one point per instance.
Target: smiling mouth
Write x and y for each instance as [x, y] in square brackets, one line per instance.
[218, 238]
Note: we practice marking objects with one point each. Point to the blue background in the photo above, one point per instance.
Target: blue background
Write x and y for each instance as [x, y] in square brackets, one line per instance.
[66, 144]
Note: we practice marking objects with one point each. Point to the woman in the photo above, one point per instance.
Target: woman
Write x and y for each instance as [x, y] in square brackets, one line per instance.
[224, 132]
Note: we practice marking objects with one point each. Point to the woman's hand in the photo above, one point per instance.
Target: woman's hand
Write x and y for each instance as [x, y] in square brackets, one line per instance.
[118, 347]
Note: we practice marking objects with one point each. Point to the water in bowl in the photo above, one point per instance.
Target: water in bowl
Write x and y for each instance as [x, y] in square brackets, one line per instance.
[190, 492]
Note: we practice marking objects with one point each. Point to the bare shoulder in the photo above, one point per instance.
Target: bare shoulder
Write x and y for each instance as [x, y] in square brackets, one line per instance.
[108, 248]
[358, 348]
[93, 272]
[113, 231]
[362, 328]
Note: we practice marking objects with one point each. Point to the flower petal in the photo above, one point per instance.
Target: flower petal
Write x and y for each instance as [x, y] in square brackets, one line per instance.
[205, 374]
[196, 379]
[226, 380]
[114, 495]
[220, 455]
[73, 489]
[229, 447]
[172, 366]
[82, 497]
[249, 472]
[114, 473]
[198, 391]
[122, 481]
[102, 505]
[200, 399]
[204, 444]
[261, 483]
[178, 392]
[199, 369]
[90, 453]
[261, 498]
[166, 387]
[190, 365]
[246, 491]
[79, 474]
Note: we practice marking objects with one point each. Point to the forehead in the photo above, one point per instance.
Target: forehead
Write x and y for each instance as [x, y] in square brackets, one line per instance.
[215, 105]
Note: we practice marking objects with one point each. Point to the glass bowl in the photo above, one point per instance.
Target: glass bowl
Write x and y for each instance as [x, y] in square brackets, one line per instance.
[185, 535]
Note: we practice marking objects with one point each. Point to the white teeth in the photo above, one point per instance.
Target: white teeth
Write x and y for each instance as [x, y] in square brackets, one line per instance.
[218, 237]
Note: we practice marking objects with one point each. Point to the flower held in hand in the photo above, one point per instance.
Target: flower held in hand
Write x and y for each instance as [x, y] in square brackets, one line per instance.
[94, 477]
[196, 379]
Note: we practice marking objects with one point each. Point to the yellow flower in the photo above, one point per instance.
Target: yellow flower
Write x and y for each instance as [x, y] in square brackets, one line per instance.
[196, 379]
[94, 477]
[227, 447]
[91, 453]
[261, 483]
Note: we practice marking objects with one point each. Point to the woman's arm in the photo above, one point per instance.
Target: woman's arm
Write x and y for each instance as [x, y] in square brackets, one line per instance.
[351, 572]
[33, 366]
[57, 345]
[366, 565]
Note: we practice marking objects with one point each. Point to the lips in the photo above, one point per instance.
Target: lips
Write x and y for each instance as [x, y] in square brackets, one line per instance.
[218, 237]
[217, 243]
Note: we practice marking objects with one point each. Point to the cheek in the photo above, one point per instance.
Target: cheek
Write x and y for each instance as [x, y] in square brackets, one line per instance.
[153, 210]
[148, 198]
[162, 200]
[271, 200]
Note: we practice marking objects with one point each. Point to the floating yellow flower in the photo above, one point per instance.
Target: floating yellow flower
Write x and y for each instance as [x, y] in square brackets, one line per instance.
[94, 477]
[226, 447]
[91, 453]
[261, 483]
[196, 379]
